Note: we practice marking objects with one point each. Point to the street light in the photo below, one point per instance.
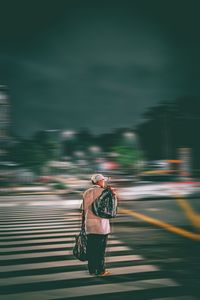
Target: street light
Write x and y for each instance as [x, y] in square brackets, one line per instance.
[95, 149]
[130, 136]
[95, 152]
[68, 134]
[79, 153]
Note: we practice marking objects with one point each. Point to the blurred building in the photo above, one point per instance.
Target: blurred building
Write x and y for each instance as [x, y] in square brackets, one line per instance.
[5, 121]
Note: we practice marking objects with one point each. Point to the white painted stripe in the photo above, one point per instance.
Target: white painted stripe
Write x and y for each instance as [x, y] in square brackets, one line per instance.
[55, 253]
[32, 212]
[39, 210]
[67, 263]
[27, 218]
[42, 241]
[31, 209]
[96, 289]
[36, 241]
[28, 197]
[5, 204]
[34, 217]
[29, 238]
[64, 245]
[32, 248]
[33, 226]
[35, 222]
[73, 219]
[74, 275]
[43, 220]
[7, 230]
[56, 234]
[75, 229]
[38, 219]
[75, 213]
[22, 209]
[58, 203]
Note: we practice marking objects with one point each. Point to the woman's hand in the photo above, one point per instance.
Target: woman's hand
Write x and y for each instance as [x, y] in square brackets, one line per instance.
[113, 190]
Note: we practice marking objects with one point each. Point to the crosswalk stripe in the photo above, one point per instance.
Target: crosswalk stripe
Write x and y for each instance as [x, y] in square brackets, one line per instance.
[27, 236]
[31, 209]
[35, 242]
[40, 235]
[67, 263]
[37, 209]
[25, 219]
[18, 232]
[64, 245]
[5, 204]
[95, 289]
[54, 203]
[41, 241]
[75, 213]
[42, 225]
[24, 209]
[28, 209]
[55, 253]
[41, 220]
[75, 275]
[73, 219]
[34, 217]
[36, 227]
[30, 212]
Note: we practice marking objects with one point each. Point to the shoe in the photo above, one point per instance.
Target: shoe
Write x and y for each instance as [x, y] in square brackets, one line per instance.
[92, 273]
[104, 273]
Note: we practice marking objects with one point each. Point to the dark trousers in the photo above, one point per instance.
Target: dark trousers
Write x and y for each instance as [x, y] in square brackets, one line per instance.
[96, 246]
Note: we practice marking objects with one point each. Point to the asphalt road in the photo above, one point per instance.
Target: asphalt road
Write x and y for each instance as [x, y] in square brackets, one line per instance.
[147, 261]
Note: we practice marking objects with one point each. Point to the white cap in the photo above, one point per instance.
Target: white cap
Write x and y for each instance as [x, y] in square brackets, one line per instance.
[96, 177]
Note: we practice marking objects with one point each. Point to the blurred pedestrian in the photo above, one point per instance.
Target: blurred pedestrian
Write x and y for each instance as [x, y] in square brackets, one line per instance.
[97, 228]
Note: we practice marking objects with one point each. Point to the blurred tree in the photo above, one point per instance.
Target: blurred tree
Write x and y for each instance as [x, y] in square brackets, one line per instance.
[85, 139]
[47, 145]
[127, 157]
[171, 125]
[34, 153]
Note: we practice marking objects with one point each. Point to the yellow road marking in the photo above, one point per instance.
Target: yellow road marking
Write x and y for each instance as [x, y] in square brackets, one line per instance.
[190, 213]
[167, 226]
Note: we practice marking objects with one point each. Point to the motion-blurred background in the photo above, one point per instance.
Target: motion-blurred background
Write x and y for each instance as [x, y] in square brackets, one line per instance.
[106, 87]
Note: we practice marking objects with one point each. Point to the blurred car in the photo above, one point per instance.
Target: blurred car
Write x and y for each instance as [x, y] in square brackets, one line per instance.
[161, 170]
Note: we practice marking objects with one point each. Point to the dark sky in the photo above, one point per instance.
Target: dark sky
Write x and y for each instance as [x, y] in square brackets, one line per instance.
[96, 64]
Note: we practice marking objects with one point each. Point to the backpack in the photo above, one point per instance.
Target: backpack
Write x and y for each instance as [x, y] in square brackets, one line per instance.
[105, 206]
